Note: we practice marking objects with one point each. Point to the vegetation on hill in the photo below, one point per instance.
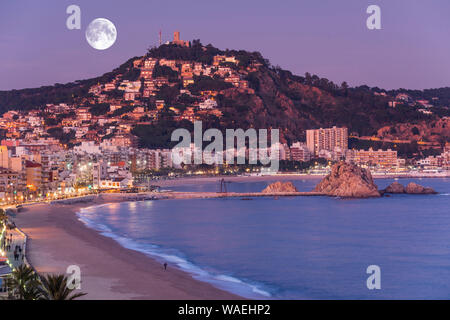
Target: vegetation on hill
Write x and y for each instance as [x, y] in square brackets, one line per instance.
[294, 103]
[99, 109]
[203, 83]
[165, 71]
[441, 95]
[280, 99]
[26, 99]
[159, 135]
[204, 54]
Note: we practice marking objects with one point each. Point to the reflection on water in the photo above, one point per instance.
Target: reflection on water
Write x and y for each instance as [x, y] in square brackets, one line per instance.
[306, 247]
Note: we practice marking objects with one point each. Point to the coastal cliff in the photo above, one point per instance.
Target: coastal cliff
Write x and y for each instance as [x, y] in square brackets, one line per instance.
[348, 181]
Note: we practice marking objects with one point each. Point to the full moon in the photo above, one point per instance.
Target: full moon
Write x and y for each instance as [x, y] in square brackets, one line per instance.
[101, 34]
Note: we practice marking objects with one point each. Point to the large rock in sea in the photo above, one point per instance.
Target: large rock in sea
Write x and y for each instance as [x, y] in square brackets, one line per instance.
[414, 188]
[348, 181]
[395, 187]
[280, 187]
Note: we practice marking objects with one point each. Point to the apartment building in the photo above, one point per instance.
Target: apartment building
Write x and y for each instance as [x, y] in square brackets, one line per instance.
[381, 158]
[299, 152]
[326, 139]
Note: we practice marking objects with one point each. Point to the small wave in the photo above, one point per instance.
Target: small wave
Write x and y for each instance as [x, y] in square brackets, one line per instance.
[444, 194]
[91, 208]
[254, 288]
[228, 278]
[94, 225]
[222, 281]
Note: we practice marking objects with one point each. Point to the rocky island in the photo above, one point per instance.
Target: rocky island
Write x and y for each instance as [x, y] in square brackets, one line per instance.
[280, 187]
[394, 187]
[411, 188]
[348, 181]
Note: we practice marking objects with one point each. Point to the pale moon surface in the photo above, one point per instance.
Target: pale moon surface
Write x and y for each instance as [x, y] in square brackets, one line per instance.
[101, 34]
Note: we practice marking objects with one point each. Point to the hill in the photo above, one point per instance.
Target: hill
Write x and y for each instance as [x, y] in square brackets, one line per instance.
[246, 90]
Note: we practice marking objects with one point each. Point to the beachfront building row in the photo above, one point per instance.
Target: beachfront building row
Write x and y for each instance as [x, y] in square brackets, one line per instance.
[45, 167]
[377, 158]
[332, 144]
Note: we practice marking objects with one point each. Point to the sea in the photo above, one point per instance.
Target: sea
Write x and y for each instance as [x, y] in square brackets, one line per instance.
[294, 247]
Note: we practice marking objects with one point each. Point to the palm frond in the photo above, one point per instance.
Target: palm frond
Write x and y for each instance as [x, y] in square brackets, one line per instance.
[55, 287]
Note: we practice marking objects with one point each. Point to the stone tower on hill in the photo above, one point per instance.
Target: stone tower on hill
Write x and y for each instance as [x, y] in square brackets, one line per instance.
[178, 41]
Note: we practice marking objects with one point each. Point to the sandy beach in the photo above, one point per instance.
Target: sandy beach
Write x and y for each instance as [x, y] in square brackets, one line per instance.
[57, 239]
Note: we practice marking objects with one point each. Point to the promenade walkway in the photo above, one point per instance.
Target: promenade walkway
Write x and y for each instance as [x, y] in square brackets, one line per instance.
[13, 245]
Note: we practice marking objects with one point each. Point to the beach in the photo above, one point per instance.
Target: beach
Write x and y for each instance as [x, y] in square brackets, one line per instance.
[57, 239]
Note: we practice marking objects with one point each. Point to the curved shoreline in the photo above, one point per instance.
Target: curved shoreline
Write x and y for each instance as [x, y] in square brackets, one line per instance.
[222, 281]
[57, 239]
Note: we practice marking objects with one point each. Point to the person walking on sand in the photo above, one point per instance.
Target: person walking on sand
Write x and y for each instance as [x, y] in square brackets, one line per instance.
[165, 265]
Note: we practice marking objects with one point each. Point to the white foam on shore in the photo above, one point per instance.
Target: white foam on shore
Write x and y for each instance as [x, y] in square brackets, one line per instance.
[221, 281]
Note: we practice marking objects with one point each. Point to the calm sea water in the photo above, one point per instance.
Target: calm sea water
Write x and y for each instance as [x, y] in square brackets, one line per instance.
[292, 248]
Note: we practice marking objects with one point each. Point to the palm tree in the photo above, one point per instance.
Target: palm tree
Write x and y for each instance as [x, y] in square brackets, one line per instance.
[23, 283]
[33, 291]
[55, 287]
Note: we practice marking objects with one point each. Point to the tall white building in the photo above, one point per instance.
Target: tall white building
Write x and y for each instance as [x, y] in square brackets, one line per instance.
[326, 139]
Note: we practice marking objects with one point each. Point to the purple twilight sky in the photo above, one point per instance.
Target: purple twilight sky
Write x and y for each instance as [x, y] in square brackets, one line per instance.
[327, 37]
